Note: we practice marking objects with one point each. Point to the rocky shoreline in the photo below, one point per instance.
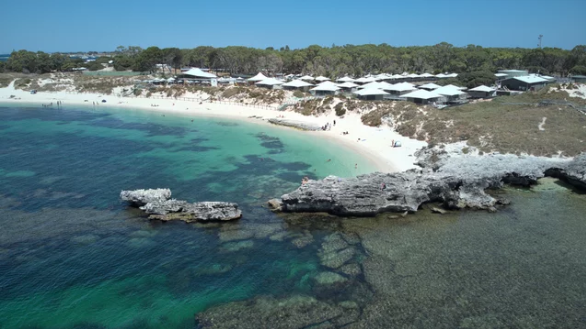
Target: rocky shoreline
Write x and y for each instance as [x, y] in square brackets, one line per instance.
[157, 203]
[456, 182]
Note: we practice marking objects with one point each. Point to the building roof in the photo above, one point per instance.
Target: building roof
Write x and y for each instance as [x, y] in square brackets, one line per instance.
[269, 82]
[258, 77]
[429, 86]
[297, 84]
[483, 88]
[529, 79]
[412, 75]
[322, 78]
[427, 75]
[449, 90]
[375, 84]
[345, 79]
[307, 77]
[326, 87]
[365, 80]
[403, 86]
[347, 85]
[370, 92]
[422, 94]
[441, 76]
[499, 75]
[198, 73]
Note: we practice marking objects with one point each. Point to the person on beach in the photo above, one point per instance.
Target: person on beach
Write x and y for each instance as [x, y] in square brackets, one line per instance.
[334, 123]
[393, 143]
[356, 166]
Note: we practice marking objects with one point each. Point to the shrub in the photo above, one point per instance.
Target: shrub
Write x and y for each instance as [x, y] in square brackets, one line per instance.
[231, 92]
[340, 110]
[298, 94]
[466, 150]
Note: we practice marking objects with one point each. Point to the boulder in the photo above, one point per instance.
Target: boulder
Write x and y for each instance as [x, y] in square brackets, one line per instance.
[142, 197]
[157, 205]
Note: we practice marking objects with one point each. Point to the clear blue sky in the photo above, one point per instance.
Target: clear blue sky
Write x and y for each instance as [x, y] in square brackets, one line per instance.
[67, 25]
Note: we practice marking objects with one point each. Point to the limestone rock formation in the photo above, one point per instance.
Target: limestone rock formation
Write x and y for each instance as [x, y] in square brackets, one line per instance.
[457, 182]
[158, 205]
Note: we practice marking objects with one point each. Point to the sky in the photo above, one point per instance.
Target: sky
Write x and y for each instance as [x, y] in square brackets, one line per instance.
[67, 25]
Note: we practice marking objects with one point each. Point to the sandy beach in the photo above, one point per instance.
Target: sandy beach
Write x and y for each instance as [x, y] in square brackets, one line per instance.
[371, 142]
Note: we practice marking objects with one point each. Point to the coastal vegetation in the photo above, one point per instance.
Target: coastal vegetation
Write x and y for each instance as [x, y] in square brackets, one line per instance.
[331, 61]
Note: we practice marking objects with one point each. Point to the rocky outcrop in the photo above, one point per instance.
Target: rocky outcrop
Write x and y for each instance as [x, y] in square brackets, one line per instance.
[456, 182]
[158, 204]
[295, 124]
[139, 198]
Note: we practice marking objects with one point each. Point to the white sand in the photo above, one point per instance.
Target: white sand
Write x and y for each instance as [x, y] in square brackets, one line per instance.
[374, 144]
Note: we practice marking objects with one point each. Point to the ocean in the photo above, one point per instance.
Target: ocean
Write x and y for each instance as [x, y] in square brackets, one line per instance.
[73, 256]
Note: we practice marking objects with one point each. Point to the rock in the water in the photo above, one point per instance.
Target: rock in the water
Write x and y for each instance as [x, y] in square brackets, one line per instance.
[142, 197]
[157, 205]
[438, 210]
[269, 312]
[329, 278]
[457, 182]
[274, 204]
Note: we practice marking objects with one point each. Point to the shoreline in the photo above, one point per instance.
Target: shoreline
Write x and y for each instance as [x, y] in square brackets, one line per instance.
[374, 144]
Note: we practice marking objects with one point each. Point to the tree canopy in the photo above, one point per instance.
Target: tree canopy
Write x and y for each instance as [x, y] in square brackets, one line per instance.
[328, 61]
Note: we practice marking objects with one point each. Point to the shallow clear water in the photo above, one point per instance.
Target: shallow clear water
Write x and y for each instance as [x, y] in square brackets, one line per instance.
[73, 256]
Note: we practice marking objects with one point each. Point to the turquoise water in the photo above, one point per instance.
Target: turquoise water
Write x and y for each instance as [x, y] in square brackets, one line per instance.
[72, 253]
[73, 256]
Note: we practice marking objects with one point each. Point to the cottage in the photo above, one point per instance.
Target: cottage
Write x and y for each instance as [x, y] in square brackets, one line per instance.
[529, 82]
[399, 89]
[325, 89]
[371, 94]
[451, 93]
[482, 92]
[270, 83]
[345, 79]
[297, 85]
[322, 79]
[257, 78]
[579, 78]
[348, 86]
[423, 97]
[429, 86]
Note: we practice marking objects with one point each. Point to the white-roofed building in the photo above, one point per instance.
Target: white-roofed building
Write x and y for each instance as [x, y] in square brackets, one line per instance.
[429, 86]
[347, 86]
[399, 89]
[325, 89]
[528, 82]
[371, 94]
[412, 76]
[195, 73]
[345, 79]
[307, 78]
[297, 85]
[427, 75]
[322, 79]
[451, 92]
[482, 92]
[257, 78]
[375, 84]
[270, 83]
[364, 80]
[422, 97]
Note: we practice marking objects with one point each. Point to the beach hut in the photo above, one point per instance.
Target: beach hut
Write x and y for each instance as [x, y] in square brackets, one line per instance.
[270, 83]
[429, 86]
[482, 92]
[345, 79]
[412, 76]
[322, 79]
[325, 89]
[297, 85]
[422, 97]
[307, 78]
[257, 78]
[371, 94]
[399, 89]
